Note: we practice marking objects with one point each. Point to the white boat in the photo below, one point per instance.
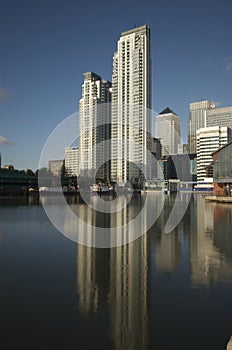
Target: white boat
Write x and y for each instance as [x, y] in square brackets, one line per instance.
[101, 189]
[204, 187]
[94, 189]
[105, 190]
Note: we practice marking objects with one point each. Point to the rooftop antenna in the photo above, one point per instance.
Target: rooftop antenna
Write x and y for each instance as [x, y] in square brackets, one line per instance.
[136, 22]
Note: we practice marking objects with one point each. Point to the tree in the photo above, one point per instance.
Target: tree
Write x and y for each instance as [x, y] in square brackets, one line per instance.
[30, 172]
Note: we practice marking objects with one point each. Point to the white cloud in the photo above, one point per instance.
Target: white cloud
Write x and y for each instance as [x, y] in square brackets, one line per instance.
[4, 141]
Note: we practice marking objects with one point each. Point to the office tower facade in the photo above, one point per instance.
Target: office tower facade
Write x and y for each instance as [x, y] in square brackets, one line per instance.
[167, 129]
[209, 140]
[72, 161]
[219, 117]
[182, 148]
[131, 106]
[94, 126]
[197, 120]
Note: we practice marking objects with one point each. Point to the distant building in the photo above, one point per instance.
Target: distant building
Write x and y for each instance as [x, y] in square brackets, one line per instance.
[219, 117]
[166, 168]
[167, 129]
[197, 120]
[222, 170]
[72, 161]
[55, 167]
[208, 140]
[205, 114]
[182, 148]
[179, 166]
[156, 149]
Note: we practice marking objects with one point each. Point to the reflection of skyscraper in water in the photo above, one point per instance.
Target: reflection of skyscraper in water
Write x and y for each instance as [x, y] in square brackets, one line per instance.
[167, 247]
[92, 278]
[129, 299]
[168, 251]
[207, 262]
[201, 246]
[117, 278]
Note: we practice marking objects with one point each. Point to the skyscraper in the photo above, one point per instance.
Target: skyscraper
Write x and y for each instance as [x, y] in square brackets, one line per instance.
[168, 131]
[94, 126]
[197, 120]
[131, 104]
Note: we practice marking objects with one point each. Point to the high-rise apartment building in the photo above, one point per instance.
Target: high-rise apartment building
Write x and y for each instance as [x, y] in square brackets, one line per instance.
[167, 129]
[94, 126]
[131, 106]
[209, 140]
[197, 120]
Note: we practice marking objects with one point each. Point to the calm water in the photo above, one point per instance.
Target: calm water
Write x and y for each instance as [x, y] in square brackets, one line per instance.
[163, 291]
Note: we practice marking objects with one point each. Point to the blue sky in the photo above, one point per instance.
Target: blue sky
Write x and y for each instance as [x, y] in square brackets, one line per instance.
[47, 45]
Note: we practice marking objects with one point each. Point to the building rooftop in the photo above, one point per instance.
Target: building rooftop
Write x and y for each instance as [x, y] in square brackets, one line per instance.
[222, 147]
[167, 111]
[138, 30]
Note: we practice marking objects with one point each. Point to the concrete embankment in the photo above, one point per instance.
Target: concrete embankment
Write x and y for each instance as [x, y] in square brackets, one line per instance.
[220, 199]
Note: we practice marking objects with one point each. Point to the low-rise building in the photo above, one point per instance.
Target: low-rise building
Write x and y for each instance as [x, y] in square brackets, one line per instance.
[222, 170]
[15, 182]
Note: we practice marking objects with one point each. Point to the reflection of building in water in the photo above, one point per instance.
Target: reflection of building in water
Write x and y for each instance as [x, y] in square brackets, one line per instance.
[129, 272]
[92, 278]
[167, 246]
[207, 262]
[223, 223]
[117, 277]
[168, 251]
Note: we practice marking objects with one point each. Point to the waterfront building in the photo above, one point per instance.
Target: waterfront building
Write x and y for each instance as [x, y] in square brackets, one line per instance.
[131, 106]
[72, 161]
[222, 170]
[15, 182]
[208, 140]
[167, 129]
[197, 120]
[94, 126]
